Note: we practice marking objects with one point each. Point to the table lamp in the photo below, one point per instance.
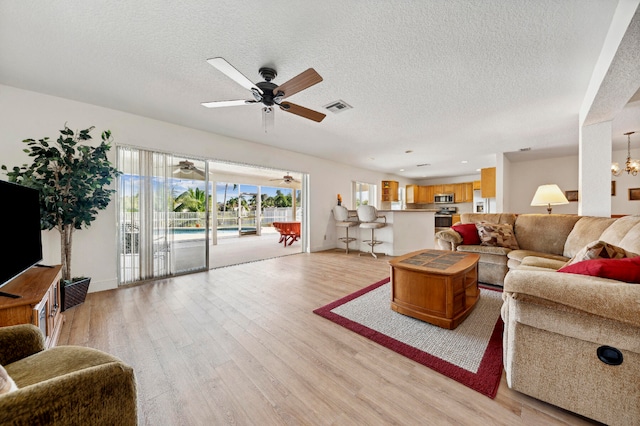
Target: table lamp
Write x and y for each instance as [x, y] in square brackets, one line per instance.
[549, 195]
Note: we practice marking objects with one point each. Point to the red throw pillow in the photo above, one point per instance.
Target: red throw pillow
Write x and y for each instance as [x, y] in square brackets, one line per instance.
[627, 270]
[468, 232]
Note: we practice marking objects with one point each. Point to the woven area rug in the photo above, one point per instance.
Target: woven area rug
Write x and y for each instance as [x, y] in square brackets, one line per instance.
[471, 354]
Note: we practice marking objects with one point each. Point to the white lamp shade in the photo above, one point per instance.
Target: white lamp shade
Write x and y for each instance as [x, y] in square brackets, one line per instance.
[549, 195]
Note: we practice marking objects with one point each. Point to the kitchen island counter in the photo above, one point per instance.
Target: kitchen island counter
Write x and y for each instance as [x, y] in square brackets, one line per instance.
[406, 231]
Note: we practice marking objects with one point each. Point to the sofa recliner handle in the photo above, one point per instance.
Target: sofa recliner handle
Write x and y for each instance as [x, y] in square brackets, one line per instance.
[609, 355]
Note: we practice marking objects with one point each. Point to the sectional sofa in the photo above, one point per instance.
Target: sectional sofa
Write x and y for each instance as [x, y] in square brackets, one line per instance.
[570, 339]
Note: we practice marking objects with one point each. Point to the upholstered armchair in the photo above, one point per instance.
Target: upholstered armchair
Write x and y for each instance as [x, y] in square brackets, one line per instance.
[64, 385]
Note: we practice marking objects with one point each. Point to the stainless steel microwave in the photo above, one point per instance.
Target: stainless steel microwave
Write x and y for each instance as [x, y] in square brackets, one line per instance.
[443, 198]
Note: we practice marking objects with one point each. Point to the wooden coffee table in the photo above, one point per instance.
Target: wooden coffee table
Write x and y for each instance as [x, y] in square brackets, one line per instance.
[436, 286]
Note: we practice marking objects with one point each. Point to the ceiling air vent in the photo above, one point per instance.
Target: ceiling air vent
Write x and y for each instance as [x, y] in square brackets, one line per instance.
[423, 164]
[338, 106]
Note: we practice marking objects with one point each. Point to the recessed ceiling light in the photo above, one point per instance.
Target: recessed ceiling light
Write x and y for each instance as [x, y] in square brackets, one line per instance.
[464, 161]
[478, 170]
[402, 170]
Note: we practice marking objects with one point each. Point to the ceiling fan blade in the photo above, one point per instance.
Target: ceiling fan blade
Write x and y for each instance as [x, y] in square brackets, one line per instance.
[229, 70]
[198, 171]
[302, 111]
[218, 104]
[300, 82]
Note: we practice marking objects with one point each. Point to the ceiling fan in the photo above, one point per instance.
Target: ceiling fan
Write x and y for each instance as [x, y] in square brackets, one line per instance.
[268, 93]
[288, 179]
[187, 167]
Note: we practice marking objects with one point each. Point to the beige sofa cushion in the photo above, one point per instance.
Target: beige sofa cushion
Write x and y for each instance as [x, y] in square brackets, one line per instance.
[544, 233]
[543, 262]
[625, 233]
[489, 254]
[509, 218]
[586, 230]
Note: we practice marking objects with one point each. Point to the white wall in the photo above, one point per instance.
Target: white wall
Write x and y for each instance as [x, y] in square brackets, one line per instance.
[526, 176]
[25, 114]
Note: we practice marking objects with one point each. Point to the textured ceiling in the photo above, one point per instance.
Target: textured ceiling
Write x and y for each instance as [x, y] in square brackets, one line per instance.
[449, 81]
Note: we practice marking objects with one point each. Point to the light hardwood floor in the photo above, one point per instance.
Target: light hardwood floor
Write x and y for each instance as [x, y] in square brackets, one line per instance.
[241, 345]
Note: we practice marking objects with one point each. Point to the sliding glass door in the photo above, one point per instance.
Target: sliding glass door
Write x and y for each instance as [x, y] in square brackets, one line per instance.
[164, 217]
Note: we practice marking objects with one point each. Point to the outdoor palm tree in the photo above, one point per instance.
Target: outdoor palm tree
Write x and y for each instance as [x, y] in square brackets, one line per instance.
[192, 200]
[281, 200]
[224, 201]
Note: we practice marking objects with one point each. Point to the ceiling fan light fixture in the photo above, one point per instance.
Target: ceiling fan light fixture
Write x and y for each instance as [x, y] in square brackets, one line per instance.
[256, 95]
[278, 97]
[267, 118]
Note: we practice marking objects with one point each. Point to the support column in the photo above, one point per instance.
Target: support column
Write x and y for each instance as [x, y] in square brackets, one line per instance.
[594, 183]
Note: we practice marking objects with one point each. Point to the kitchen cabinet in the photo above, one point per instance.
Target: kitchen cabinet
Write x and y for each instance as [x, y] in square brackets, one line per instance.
[476, 185]
[423, 197]
[468, 192]
[488, 182]
[463, 192]
[429, 193]
[389, 190]
[455, 219]
[458, 193]
[448, 188]
[411, 193]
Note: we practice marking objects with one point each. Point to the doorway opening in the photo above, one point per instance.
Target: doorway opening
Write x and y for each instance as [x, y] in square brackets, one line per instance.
[179, 214]
[251, 203]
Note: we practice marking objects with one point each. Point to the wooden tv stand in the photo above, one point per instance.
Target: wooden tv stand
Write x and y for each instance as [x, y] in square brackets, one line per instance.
[39, 304]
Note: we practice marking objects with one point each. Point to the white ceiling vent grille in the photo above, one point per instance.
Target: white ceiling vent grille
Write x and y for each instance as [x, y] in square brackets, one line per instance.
[338, 106]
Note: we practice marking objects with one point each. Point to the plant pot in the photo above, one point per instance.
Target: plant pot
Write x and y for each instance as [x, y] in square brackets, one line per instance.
[73, 293]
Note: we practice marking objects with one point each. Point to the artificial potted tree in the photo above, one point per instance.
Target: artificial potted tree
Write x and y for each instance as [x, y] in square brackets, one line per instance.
[73, 181]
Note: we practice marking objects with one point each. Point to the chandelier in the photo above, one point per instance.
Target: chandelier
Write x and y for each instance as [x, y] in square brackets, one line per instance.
[631, 166]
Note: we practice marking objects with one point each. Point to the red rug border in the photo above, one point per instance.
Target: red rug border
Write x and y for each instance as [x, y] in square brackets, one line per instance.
[486, 381]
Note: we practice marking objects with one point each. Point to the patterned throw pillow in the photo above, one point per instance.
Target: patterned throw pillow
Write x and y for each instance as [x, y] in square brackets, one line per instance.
[600, 250]
[497, 235]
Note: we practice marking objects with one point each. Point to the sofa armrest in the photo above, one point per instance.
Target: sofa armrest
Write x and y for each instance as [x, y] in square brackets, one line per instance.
[602, 297]
[104, 394]
[19, 341]
[448, 239]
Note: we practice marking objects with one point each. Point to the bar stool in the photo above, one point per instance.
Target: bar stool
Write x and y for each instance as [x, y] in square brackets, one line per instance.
[341, 215]
[368, 217]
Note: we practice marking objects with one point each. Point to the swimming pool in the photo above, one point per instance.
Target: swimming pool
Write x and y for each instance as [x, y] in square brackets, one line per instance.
[198, 231]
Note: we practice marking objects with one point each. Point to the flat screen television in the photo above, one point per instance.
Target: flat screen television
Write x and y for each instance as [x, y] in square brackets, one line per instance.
[21, 247]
